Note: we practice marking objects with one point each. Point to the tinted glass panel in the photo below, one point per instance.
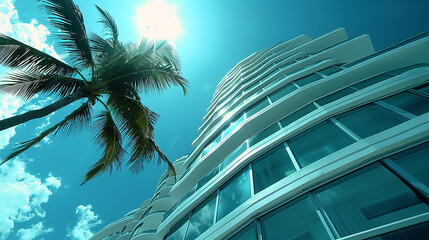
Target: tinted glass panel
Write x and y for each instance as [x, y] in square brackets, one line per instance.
[251, 86]
[411, 103]
[318, 142]
[202, 217]
[271, 167]
[188, 194]
[371, 81]
[207, 177]
[232, 156]
[248, 233]
[282, 92]
[263, 134]
[368, 198]
[417, 232]
[423, 88]
[295, 220]
[257, 107]
[334, 96]
[402, 70]
[233, 126]
[233, 193]
[178, 231]
[369, 120]
[415, 161]
[309, 79]
[297, 114]
[330, 70]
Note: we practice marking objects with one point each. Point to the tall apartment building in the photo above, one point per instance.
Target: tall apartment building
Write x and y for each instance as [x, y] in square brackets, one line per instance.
[308, 139]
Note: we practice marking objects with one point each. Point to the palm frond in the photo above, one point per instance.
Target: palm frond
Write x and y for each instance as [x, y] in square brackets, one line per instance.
[66, 16]
[109, 24]
[77, 119]
[15, 54]
[100, 45]
[108, 136]
[129, 111]
[26, 85]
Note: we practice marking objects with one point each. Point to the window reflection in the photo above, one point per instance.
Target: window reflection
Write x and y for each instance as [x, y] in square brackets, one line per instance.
[202, 217]
[318, 142]
[368, 198]
[233, 193]
[295, 221]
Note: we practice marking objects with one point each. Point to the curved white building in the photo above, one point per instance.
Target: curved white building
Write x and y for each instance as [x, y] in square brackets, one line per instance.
[308, 139]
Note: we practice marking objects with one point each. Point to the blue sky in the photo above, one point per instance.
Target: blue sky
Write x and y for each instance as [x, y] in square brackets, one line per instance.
[40, 196]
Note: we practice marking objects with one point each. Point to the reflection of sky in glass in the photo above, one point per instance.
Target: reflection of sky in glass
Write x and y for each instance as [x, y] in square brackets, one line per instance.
[234, 193]
[311, 145]
[202, 217]
[179, 230]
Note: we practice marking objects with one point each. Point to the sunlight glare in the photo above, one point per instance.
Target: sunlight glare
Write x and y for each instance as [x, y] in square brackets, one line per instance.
[158, 20]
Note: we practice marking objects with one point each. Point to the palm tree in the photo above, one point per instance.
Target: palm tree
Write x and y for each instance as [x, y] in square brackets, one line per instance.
[103, 70]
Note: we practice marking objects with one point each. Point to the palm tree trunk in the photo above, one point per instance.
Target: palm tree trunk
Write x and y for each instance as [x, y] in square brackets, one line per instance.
[33, 114]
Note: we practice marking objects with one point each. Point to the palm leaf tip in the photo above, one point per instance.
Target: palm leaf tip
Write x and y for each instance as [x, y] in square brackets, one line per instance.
[109, 24]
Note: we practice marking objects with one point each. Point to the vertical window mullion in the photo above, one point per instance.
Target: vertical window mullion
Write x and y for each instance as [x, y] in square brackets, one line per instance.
[258, 229]
[292, 157]
[326, 221]
[252, 186]
[421, 190]
[345, 129]
[395, 109]
[217, 205]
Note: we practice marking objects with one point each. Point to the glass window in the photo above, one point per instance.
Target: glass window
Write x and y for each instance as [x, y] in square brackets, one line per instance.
[318, 142]
[371, 81]
[423, 88]
[251, 86]
[405, 69]
[297, 114]
[281, 92]
[308, 79]
[416, 232]
[329, 71]
[368, 198]
[263, 103]
[233, 193]
[188, 194]
[296, 220]
[178, 231]
[334, 96]
[248, 233]
[202, 217]
[415, 161]
[232, 156]
[411, 103]
[271, 167]
[233, 126]
[210, 146]
[207, 177]
[168, 213]
[369, 120]
[263, 134]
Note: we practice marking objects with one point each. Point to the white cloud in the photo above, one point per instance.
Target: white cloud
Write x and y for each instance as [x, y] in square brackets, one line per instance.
[33, 34]
[34, 231]
[87, 220]
[22, 195]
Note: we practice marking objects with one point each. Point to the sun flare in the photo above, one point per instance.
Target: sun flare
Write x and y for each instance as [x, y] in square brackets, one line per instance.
[158, 20]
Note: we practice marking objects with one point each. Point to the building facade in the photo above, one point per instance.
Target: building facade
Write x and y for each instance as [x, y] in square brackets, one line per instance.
[309, 139]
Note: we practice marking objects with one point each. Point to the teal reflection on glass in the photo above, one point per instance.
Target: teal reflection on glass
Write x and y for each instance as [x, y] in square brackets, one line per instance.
[295, 220]
[248, 233]
[370, 119]
[318, 142]
[368, 198]
[297, 114]
[411, 103]
[257, 107]
[232, 156]
[329, 70]
[371, 81]
[178, 231]
[233, 193]
[416, 232]
[271, 167]
[263, 134]
[279, 93]
[308, 79]
[234, 124]
[334, 96]
[415, 161]
[207, 177]
[202, 217]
